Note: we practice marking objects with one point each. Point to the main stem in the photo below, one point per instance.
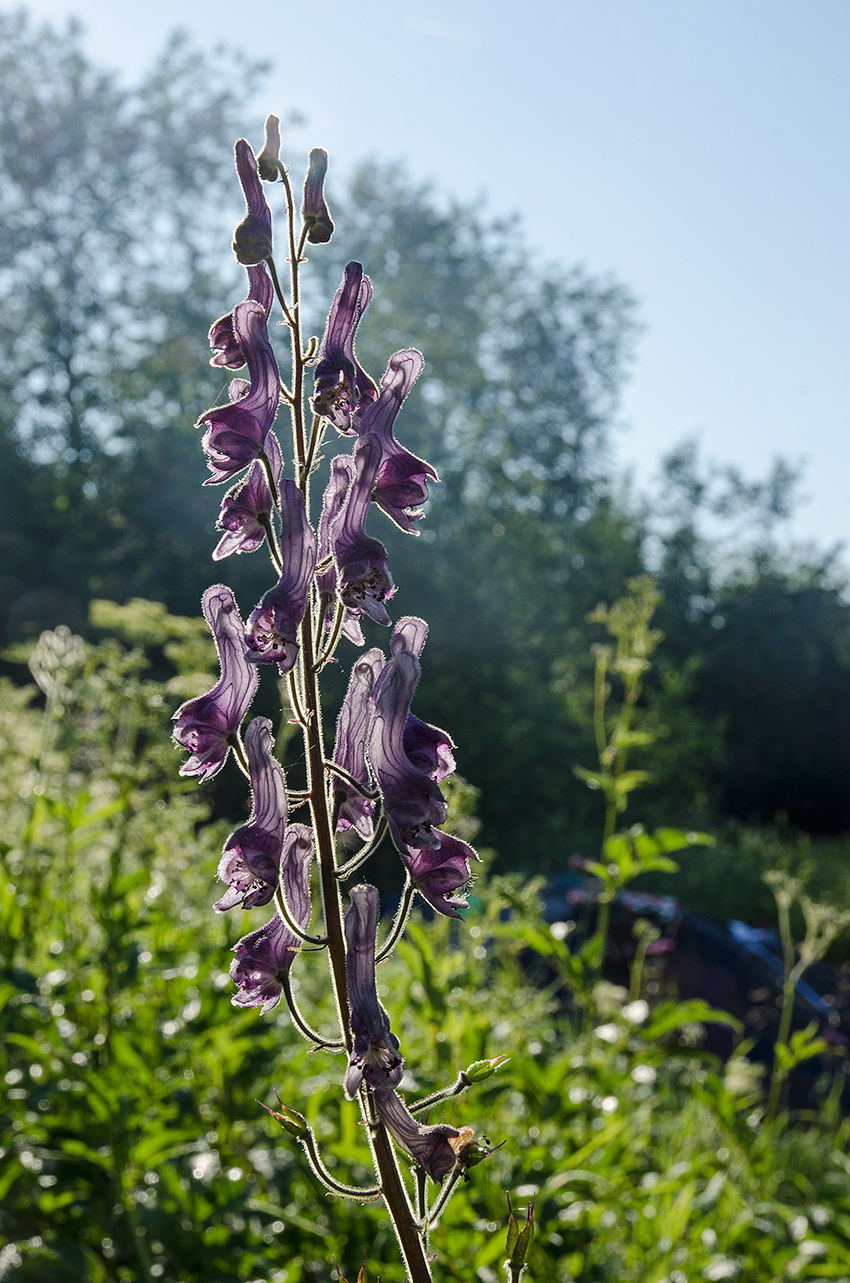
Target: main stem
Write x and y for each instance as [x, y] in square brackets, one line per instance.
[394, 1193]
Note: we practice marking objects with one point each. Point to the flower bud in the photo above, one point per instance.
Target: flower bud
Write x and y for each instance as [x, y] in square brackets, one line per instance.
[519, 1240]
[268, 159]
[290, 1119]
[480, 1070]
[314, 211]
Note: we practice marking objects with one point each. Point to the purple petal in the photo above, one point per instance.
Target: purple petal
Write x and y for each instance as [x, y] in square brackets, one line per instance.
[364, 578]
[267, 159]
[436, 873]
[429, 1146]
[272, 629]
[374, 1055]
[246, 510]
[236, 433]
[342, 388]
[251, 857]
[413, 803]
[410, 633]
[401, 482]
[314, 211]
[205, 725]
[350, 748]
[252, 240]
[226, 348]
[265, 957]
[428, 748]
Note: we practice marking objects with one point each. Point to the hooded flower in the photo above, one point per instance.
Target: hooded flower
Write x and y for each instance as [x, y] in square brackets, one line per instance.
[268, 159]
[246, 510]
[436, 873]
[251, 857]
[314, 210]
[206, 725]
[272, 628]
[430, 1147]
[226, 347]
[374, 1054]
[252, 240]
[342, 388]
[342, 472]
[364, 580]
[350, 749]
[427, 747]
[413, 803]
[264, 958]
[401, 482]
[236, 433]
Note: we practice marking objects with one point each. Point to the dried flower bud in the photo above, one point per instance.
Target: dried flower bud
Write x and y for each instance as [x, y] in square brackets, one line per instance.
[469, 1152]
[269, 158]
[314, 211]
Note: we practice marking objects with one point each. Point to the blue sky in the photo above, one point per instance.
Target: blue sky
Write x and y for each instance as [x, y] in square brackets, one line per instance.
[698, 151]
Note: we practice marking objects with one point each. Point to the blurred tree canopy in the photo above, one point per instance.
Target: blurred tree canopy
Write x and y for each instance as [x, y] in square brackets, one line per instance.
[117, 203]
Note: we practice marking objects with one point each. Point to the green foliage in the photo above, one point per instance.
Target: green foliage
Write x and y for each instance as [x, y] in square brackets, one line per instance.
[134, 1148]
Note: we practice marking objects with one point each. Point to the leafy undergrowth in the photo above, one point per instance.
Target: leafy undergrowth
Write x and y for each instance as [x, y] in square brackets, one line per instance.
[133, 1147]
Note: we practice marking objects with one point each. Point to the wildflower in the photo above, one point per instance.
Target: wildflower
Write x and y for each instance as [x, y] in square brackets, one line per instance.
[437, 872]
[252, 240]
[413, 803]
[430, 1147]
[314, 210]
[272, 628]
[374, 1054]
[355, 810]
[268, 160]
[251, 857]
[226, 347]
[342, 388]
[364, 579]
[208, 725]
[264, 958]
[246, 510]
[236, 433]
[401, 482]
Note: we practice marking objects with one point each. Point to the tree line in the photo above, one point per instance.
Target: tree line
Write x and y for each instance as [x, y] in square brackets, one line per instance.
[111, 197]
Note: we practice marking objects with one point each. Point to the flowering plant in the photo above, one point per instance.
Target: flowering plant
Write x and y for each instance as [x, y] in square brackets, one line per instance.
[383, 776]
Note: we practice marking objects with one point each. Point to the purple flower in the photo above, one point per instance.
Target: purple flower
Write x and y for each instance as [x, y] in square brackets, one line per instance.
[430, 1147]
[364, 578]
[236, 433]
[264, 958]
[427, 747]
[342, 388]
[342, 471]
[251, 857]
[401, 482]
[252, 240]
[268, 159]
[314, 210]
[207, 726]
[436, 873]
[355, 811]
[413, 804]
[246, 510]
[226, 348]
[272, 628]
[374, 1054]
